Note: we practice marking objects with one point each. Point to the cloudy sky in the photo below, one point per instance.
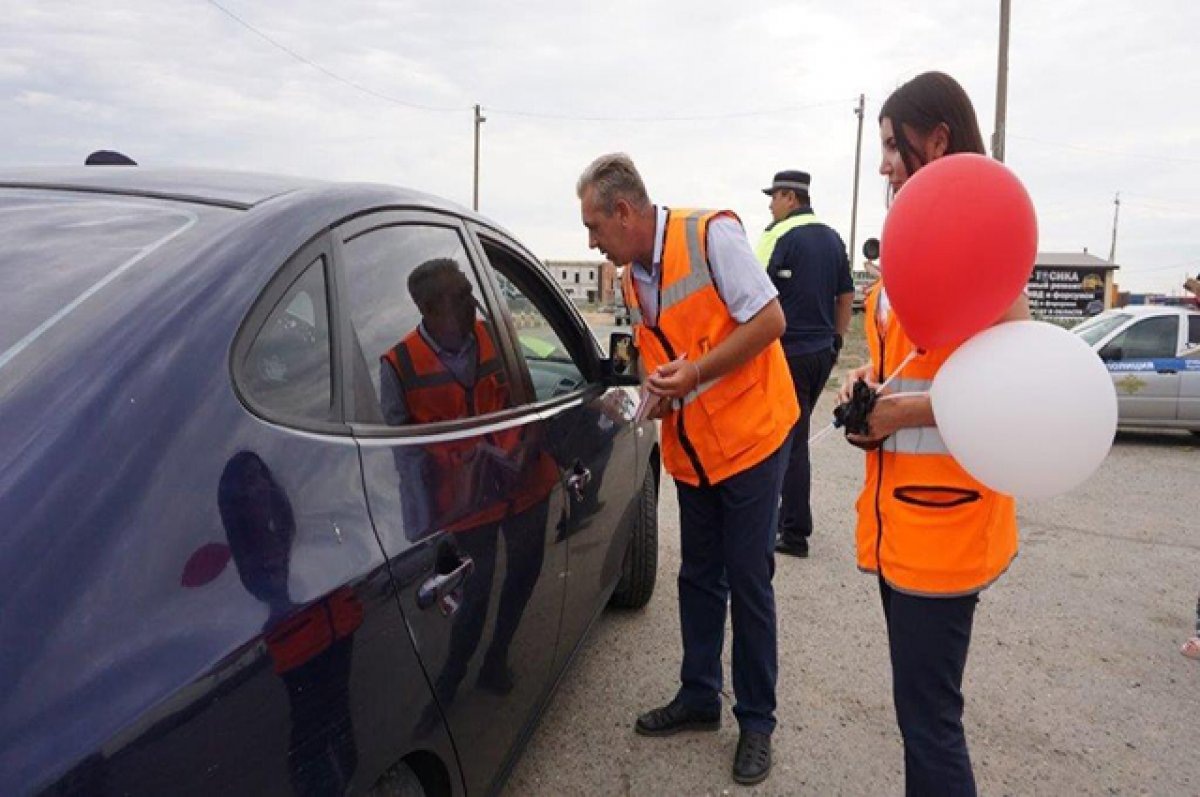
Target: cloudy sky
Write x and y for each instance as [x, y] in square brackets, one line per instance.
[710, 98]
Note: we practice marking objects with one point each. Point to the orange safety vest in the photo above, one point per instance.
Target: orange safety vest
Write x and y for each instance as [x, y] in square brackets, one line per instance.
[925, 524]
[432, 394]
[725, 425]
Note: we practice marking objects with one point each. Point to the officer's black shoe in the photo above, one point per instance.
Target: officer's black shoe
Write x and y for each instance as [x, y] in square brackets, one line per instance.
[799, 549]
[675, 717]
[752, 761]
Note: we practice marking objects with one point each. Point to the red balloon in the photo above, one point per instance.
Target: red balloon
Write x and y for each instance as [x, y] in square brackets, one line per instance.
[205, 564]
[959, 243]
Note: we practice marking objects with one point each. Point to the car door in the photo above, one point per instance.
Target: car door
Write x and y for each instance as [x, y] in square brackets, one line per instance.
[1142, 361]
[589, 425]
[1189, 388]
[465, 499]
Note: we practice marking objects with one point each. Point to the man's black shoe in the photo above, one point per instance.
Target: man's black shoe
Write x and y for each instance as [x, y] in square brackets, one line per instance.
[799, 549]
[675, 717]
[752, 761]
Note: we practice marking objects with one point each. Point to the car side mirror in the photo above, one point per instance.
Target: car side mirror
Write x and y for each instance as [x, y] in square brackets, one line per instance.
[621, 367]
[1111, 353]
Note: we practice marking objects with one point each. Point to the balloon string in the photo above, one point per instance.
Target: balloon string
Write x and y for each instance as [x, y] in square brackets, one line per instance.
[912, 355]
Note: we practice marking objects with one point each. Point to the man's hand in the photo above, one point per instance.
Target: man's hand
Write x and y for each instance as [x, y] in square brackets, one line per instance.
[674, 379]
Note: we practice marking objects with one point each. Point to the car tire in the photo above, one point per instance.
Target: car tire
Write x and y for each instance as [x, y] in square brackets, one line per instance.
[400, 781]
[639, 570]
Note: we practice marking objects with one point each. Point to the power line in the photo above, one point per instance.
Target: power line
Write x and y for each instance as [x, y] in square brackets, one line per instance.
[1173, 266]
[692, 118]
[532, 114]
[327, 72]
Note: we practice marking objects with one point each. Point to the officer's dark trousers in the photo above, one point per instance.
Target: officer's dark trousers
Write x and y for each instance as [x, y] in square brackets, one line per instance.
[810, 372]
[728, 536]
[928, 639]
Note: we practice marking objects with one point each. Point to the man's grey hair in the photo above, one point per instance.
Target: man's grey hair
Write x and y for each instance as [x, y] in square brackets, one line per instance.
[614, 177]
[431, 279]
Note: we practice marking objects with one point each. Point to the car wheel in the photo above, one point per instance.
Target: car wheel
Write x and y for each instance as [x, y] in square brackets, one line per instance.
[1195, 432]
[640, 568]
[400, 781]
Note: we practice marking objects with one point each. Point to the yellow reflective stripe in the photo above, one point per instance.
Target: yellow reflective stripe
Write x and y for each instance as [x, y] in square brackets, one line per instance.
[921, 440]
[703, 388]
[902, 385]
[697, 277]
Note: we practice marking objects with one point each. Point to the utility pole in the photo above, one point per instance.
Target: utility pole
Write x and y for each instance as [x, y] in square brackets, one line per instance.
[479, 120]
[1112, 250]
[1001, 86]
[857, 160]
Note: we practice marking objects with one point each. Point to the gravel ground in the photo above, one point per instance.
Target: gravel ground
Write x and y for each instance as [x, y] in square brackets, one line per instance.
[1074, 683]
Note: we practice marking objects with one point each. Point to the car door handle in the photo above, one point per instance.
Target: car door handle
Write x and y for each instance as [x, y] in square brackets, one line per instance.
[440, 588]
[579, 479]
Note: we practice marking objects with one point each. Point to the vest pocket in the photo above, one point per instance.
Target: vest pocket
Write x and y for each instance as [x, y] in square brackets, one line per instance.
[935, 497]
[737, 412]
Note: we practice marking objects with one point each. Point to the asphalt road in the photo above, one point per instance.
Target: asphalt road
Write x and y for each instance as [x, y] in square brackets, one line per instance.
[1074, 683]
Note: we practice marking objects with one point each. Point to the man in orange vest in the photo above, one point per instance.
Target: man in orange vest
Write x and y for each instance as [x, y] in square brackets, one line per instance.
[476, 487]
[707, 323]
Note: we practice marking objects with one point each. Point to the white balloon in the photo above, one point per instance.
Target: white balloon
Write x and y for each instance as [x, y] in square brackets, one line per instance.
[1027, 408]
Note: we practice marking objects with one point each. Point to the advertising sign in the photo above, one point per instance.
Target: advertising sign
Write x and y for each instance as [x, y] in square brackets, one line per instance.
[1065, 292]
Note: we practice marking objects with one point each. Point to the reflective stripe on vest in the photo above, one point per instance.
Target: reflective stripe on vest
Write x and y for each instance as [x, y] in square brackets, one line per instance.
[771, 235]
[917, 440]
[728, 424]
[698, 277]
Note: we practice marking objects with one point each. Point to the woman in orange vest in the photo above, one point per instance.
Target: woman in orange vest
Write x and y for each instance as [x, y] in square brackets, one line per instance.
[933, 535]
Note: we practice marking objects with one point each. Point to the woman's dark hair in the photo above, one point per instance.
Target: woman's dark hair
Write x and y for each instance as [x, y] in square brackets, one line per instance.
[923, 103]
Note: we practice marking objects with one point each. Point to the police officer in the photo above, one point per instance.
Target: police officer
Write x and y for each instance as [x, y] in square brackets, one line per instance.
[709, 345]
[806, 260]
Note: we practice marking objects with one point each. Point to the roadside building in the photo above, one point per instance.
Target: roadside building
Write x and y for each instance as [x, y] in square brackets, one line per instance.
[1071, 285]
[586, 282]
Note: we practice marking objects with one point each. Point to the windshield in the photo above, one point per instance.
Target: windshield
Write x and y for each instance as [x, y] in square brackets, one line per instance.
[61, 249]
[1094, 329]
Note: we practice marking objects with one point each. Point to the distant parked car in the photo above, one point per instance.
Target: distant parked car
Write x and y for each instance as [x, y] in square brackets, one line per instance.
[263, 529]
[1153, 355]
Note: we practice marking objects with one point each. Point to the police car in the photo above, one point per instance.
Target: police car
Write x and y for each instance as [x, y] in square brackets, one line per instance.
[1153, 356]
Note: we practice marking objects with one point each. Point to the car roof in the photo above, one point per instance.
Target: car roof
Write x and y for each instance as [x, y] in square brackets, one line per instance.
[230, 189]
[1155, 309]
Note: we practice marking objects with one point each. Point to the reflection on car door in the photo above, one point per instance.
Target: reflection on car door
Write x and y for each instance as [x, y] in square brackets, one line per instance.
[590, 426]
[464, 494]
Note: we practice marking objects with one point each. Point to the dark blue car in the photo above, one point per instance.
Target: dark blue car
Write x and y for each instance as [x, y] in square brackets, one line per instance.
[304, 487]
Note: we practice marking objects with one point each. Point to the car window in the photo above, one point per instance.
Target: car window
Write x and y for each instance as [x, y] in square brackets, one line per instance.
[1094, 329]
[426, 345]
[1193, 331]
[542, 327]
[1148, 339]
[287, 368]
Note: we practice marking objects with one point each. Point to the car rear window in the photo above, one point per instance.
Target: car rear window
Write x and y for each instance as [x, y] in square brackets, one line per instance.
[60, 249]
